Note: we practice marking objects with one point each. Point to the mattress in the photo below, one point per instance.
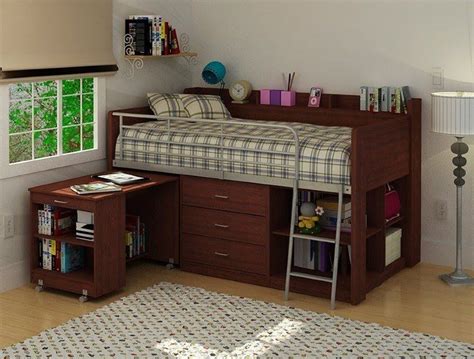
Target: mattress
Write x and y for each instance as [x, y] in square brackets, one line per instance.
[324, 150]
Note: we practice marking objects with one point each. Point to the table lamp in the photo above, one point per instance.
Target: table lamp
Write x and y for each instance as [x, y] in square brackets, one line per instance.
[453, 114]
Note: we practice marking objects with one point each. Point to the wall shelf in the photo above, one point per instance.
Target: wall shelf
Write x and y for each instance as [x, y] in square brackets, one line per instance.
[150, 57]
[137, 62]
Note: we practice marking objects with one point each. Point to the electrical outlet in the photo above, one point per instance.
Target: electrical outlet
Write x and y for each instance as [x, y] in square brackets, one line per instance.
[441, 208]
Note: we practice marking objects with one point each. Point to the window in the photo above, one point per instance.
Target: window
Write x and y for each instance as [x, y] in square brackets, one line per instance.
[52, 118]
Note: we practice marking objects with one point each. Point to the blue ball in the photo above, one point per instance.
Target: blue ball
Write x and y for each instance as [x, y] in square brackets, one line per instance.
[214, 73]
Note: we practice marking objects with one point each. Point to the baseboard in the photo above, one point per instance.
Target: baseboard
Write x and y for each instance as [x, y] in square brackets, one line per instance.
[14, 275]
[442, 253]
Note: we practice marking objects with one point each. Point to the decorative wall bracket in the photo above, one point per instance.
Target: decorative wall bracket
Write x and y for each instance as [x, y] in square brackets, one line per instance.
[136, 62]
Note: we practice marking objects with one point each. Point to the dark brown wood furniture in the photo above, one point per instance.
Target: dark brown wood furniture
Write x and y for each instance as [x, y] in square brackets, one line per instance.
[155, 201]
[386, 148]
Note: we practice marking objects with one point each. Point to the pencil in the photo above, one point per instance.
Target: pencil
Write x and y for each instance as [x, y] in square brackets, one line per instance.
[292, 79]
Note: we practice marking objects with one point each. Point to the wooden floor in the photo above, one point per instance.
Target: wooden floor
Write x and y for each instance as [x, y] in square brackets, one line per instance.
[414, 299]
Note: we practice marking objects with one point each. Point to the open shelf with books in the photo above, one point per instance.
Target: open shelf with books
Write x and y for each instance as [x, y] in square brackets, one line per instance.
[81, 243]
[145, 57]
[315, 258]
[66, 238]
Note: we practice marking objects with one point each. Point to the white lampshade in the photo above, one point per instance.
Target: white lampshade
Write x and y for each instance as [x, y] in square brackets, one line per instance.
[452, 113]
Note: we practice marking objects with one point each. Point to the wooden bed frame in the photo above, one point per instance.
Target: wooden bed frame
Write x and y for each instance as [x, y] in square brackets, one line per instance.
[386, 148]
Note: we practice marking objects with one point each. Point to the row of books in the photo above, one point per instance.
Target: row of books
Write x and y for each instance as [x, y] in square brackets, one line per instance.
[313, 255]
[59, 256]
[135, 236]
[384, 99]
[151, 35]
[85, 226]
[329, 219]
[54, 221]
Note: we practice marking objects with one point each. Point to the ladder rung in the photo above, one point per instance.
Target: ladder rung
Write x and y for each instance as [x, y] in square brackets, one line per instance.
[311, 276]
[314, 238]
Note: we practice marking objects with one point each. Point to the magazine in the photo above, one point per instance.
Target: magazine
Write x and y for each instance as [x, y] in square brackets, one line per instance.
[121, 178]
[96, 187]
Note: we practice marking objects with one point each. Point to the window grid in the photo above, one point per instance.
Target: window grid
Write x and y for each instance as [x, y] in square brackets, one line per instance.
[59, 118]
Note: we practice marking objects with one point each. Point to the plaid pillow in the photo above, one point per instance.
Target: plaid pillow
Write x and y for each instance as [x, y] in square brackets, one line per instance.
[166, 105]
[205, 106]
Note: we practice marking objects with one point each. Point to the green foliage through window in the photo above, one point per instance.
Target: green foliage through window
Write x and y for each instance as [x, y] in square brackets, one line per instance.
[51, 118]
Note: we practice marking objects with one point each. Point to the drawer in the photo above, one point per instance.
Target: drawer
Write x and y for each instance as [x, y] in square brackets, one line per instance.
[227, 225]
[222, 253]
[225, 195]
[63, 201]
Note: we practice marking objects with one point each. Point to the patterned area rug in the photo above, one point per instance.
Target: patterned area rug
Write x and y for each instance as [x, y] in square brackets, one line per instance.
[169, 320]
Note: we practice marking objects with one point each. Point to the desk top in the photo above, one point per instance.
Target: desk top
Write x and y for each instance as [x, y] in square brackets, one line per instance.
[62, 188]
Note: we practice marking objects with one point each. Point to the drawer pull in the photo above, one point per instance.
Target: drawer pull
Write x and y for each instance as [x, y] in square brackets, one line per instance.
[60, 202]
[221, 196]
[221, 225]
[221, 254]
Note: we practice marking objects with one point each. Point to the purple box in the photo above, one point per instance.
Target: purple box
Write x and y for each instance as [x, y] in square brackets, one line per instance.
[264, 97]
[275, 97]
[288, 98]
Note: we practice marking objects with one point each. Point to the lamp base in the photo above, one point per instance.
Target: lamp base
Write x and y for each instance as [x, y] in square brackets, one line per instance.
[457, 278]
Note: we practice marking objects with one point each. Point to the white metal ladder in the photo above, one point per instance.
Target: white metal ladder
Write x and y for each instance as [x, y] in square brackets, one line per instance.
[336, 241]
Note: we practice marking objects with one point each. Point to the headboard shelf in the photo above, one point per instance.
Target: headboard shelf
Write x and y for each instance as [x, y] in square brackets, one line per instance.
[335, 110]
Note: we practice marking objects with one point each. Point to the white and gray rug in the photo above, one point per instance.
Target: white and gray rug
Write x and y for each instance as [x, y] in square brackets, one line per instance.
[170, 320]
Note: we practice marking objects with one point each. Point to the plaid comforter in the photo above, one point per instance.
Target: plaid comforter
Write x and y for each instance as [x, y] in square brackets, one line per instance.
[324, 150]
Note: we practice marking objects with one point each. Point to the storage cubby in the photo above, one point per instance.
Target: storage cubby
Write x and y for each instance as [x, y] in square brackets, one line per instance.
[376, 270]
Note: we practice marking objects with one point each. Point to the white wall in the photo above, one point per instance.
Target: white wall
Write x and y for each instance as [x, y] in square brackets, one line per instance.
[122, 92]
[341, 45]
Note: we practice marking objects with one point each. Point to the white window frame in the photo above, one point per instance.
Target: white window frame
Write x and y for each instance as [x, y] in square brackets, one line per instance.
[8, 170]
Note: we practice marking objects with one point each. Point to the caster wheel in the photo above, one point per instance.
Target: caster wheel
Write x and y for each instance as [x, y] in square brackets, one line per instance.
[39, 288]
[169, 266]
[82, 299]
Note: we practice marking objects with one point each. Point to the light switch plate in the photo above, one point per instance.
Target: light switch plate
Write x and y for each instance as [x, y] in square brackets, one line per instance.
[7, 226]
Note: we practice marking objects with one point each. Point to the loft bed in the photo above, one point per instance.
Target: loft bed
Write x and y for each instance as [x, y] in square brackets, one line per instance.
[371, 150]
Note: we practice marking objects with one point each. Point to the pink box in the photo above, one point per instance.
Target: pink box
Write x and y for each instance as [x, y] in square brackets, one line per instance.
[288, 98]
[264, 97]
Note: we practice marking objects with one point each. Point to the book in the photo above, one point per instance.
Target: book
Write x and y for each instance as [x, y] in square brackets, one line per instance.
[62, 221]
[135, 236]
[166, 30]
[84, 228]
[384, 103]
[72, 258]
[323, 255]
[95, 187]
[85, 231]
[330, 203]
[330, 223]
[405, 97]
[395, 100]
[121, 178]
[40, 253]
[174, 43]
[140, 30]
[333, 213]
[363, 98]
[373, 102]
[85, 217]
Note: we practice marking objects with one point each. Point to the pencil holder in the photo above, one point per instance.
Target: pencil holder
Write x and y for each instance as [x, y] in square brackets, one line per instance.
[275, 97]
[288, 98]
[264, 97]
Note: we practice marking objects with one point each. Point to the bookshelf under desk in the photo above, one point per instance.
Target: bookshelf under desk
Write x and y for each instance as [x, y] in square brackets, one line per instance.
[155, 201]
